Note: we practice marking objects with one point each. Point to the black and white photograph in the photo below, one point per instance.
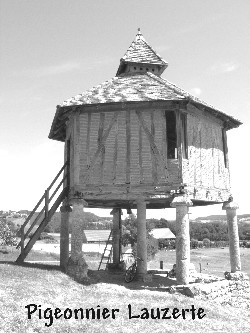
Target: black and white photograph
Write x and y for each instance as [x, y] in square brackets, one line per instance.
[125, 132]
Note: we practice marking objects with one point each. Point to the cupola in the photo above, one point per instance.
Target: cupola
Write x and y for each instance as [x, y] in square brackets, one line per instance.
[141, 58]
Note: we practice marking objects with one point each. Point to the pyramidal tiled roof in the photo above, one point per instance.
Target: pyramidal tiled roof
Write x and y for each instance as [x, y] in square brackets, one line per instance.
[136, 88]
[141, 52]
[132, 87]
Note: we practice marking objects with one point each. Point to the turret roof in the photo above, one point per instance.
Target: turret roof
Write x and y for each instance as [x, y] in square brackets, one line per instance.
[141, 52]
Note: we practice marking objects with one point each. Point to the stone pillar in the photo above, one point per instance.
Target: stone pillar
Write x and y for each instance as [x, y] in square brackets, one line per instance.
[234, 249]
[116, 212]
[77, 266]
[64, 236]
[182, 203]
[141, 238]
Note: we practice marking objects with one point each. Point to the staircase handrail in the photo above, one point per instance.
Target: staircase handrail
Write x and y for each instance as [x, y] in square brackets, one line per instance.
[46, 206]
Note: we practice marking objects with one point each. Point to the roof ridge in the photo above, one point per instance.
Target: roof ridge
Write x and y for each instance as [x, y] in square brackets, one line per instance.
[181, 91]
[162, 81]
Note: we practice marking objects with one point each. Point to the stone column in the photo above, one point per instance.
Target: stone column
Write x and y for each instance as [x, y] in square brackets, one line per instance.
[64, 236]
[77, 266]
[77, 228]
[141, 238]
[182, 203]
[116, 212]
[234, 249]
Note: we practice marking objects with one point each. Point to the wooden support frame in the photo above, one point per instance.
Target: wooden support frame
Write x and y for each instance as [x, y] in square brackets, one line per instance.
[100, 147]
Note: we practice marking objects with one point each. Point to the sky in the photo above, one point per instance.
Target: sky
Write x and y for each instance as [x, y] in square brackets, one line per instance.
[52, 50]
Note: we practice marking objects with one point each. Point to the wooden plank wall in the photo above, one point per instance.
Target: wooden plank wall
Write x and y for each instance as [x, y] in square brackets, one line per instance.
[205, 166]
[128, 154]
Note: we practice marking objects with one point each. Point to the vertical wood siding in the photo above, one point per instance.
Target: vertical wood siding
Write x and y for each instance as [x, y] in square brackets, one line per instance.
[134, 151]
[205, 166]
[135, 164]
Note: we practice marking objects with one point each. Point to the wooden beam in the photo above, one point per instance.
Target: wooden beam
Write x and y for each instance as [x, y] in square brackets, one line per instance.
[128, 137]
[100, 135]
[115, 153]
[88, 140]
[76, 149]
[140, 153]
[153, 156]
[100, 147]
[124, 106]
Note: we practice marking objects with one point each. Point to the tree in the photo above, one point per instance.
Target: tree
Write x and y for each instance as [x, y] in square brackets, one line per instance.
[7, 236]
[206, 242]
[194, 243]
[129, 236]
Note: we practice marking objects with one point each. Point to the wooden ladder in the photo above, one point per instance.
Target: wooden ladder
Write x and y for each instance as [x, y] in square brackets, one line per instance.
[107, 253]
[45, 214]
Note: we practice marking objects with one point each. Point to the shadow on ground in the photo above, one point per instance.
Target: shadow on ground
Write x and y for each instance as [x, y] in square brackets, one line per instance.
[160, 282]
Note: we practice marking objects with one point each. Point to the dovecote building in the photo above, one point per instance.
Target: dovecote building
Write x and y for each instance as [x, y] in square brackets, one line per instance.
[139, 141]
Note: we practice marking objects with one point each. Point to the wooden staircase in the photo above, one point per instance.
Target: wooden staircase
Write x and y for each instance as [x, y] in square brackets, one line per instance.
[107, 253]
[45, 214]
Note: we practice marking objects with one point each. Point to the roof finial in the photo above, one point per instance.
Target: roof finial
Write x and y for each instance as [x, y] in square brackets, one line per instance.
[139, 31]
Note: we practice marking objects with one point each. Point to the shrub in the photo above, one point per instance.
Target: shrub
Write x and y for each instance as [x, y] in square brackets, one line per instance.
[206, 242]
[7, 236]
[194, 243]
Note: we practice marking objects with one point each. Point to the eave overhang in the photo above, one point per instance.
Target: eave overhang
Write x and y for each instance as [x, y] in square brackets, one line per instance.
[58, 127]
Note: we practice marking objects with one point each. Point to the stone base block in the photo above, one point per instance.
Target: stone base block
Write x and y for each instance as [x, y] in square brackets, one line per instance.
[237, 276]
[78, 269]
[215, 289]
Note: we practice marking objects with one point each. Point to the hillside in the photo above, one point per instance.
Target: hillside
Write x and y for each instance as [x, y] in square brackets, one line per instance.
[221, 218]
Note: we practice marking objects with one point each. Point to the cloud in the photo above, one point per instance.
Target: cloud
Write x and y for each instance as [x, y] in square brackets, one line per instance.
[196, 91]
[226, 67]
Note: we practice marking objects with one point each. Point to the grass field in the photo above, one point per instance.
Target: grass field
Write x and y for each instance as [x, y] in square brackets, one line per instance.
[213, 260]
[48, 288]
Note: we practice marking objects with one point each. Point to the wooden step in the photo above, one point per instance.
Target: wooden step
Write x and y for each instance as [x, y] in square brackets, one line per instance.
[41, 227]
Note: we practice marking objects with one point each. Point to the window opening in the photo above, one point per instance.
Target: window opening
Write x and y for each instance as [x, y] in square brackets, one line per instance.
[171, 134]
[184, 135]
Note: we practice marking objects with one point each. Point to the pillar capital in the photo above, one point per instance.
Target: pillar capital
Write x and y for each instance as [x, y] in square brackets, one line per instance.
[115, 211]
[65, 209]
[76, 198]
[141, 200]
[230, 205]
[78, 202]
[181, 200]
